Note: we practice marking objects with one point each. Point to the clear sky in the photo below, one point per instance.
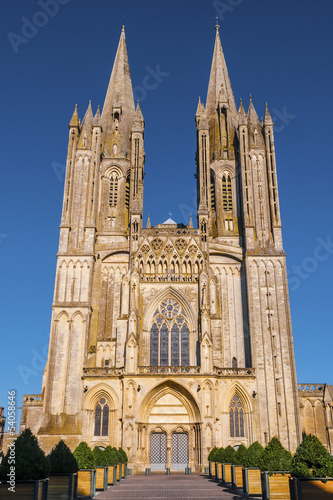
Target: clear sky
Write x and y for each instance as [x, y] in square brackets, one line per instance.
[280, 51]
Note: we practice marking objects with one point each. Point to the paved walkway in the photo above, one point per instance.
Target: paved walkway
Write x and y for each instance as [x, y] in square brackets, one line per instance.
[175, 486]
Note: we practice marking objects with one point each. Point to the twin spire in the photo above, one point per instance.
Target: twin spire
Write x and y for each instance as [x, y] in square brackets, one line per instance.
[119, 94]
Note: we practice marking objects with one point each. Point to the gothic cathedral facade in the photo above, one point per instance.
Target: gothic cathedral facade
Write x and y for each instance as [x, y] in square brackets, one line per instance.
[169, 339]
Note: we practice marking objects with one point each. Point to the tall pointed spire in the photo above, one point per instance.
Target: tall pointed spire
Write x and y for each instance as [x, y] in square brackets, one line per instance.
[120, 93]
[219, 82]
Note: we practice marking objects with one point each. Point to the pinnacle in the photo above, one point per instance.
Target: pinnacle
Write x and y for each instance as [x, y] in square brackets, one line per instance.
[268, 119]
[242, 117]
[75, 122]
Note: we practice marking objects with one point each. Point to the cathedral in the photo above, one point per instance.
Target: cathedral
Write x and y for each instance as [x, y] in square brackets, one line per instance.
[170, 339]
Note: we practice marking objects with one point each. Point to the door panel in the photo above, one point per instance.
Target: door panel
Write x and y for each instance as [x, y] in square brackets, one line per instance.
[157, 451]
[179, 451]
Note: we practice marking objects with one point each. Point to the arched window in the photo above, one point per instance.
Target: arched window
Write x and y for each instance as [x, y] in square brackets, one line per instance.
[226, 192]
[236, 415]
[102, 418]
[113, 196]
[169, 336]
[212, 193]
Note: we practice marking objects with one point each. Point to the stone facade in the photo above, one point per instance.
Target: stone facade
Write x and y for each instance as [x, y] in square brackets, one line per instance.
[168, 340]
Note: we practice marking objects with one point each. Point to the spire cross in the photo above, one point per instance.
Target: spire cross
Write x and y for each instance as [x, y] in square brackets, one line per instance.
[217, 26]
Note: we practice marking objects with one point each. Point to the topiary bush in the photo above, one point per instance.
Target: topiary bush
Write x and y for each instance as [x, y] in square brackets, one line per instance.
[122, 455]
[62, 459]
[239, 456]
[312, 459]
[30, 460]
[100, 457]
[111, 456]
[84, 456]
[275, 457]
[212, 454]
[253, 454]
[229, 455]
[220, 455]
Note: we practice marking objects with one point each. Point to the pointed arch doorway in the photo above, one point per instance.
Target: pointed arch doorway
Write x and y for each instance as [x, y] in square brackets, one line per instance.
[171, 417]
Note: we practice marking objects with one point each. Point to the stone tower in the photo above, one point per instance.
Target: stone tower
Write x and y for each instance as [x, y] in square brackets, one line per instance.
[168, 340]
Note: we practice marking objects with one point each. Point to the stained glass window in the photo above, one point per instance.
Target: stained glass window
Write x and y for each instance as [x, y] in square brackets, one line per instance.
[175, 345]
[185, 346]
[164, 345]
[102, 418]
[236, 414]
[169, 336]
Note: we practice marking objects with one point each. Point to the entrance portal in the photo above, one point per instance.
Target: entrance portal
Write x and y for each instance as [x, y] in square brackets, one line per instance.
[179, 450]
[158, 446]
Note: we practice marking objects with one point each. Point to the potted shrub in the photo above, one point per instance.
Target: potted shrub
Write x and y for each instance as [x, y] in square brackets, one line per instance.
[86, 485]
[123, 460]
[63, 473]
[212, 460]
[219, 456]
[237, 467]
[228, 459]
[32, 468]
[275, 464]
[101, 466]
[312, 468]
[251, 471]
[112, 460]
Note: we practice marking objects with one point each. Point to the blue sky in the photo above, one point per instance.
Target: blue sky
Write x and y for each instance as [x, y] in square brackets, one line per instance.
[280, 51]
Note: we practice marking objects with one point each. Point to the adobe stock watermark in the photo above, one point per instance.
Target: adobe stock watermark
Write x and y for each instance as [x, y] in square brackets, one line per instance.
[281, 119]
[222, 7]
[299, 273]
[11, 419]
[152, 79]
[3, 236]
[59, 169]
[37, 365]
[30, 27]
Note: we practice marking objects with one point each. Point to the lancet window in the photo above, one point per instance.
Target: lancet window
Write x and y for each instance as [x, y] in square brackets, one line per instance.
[226, 192]
[113, 195]
[169, 336]
[102, 418]
[236, 415]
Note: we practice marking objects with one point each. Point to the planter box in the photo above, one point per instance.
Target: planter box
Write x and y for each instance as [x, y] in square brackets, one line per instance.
[212, 469]
[123, 471]
[275, 486]
[218, 471]
[118, 472]
[62, 486]
[86, 483]
[226, 473]
[251, 481]
[112, 475]
[25, 490]
[237, 476]
[101, 478]
[310, 489]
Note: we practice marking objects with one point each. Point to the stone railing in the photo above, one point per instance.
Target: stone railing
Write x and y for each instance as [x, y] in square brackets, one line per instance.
[308, 388]
[106, 371]
[234, 372]
[169, 229]
[169, 370]
[169, 277]
[33, 399]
